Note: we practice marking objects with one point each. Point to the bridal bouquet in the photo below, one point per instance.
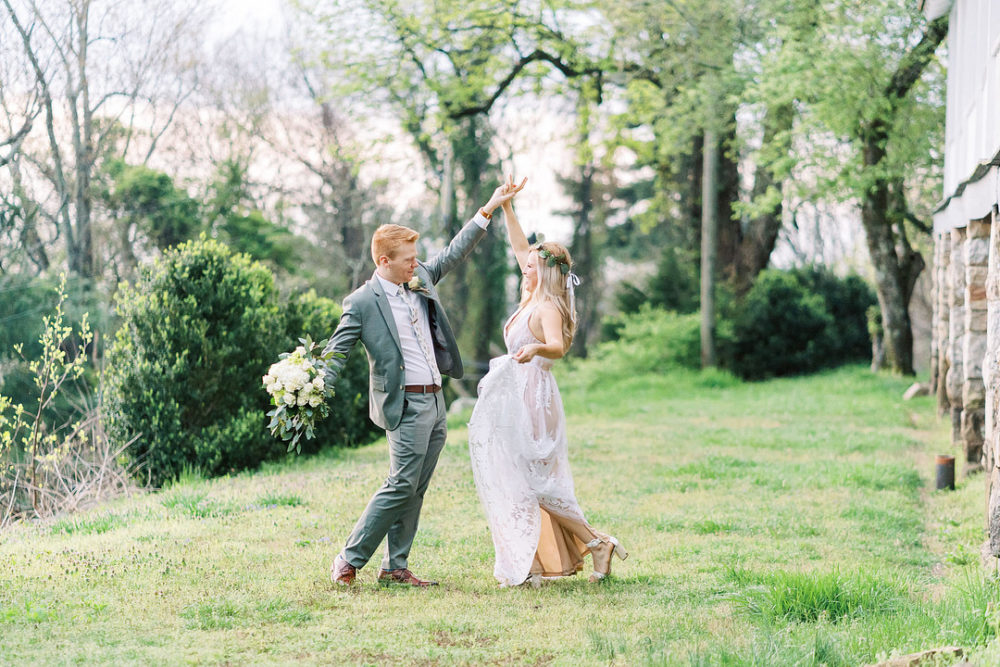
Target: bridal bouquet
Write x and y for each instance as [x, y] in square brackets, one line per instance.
[298, 392]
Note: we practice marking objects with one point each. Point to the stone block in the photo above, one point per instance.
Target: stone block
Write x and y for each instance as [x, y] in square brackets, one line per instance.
[975, 276]
[993, 317]
[976, 321]
[973, 422]
[977, 251]
[954, 381]
[973, 394]
[975, 286]
[973, 353]
[993, 289]
[978, 229]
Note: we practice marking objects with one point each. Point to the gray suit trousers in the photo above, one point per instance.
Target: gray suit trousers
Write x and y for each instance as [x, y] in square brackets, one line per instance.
[394, 510]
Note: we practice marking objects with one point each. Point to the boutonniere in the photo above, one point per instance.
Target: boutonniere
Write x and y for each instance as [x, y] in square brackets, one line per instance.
[417, 285]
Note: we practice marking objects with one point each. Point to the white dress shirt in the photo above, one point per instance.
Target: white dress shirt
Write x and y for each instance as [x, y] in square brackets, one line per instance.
[418, 368]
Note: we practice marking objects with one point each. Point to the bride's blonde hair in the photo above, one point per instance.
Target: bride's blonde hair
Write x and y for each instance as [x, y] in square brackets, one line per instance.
[553, 264]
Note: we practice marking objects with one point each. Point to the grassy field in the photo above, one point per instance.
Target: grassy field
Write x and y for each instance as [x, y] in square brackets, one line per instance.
[787, 522]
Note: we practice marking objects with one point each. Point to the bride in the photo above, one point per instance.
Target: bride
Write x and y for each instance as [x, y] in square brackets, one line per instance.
[517, 433]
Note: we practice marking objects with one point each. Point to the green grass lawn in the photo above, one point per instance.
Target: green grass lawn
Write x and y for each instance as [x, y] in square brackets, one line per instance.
[786, 522]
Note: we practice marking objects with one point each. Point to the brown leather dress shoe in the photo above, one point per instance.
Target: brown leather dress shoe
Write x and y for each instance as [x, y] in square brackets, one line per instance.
[342, 572]
[402, 576]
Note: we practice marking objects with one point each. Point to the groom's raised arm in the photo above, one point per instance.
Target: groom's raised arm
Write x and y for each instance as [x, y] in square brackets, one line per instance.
[459, 248]
[342, 341]
[473, 232]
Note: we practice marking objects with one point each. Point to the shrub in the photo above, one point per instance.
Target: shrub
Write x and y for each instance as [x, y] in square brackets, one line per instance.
[674, 287]
[847, 300]
[23, 305]
[650, 340]
[780, 328]
[797, 321]
[199, 329]
[56, 460]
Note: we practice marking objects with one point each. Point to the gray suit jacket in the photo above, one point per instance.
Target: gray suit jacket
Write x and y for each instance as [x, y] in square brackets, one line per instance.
[368, 317]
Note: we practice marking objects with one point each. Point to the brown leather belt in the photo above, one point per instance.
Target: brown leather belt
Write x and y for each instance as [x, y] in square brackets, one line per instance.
[422, 388]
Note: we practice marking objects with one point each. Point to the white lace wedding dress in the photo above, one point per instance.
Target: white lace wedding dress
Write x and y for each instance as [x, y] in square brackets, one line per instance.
[518, 446]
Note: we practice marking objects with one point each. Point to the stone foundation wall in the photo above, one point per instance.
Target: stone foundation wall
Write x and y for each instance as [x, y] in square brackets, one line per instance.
[977, 253]
[955, 377]
[941, 361]
[991, 380]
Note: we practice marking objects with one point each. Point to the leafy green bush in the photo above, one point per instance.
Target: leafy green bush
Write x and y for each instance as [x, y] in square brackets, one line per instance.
[847, 300]
[797, 321]
[780, 328]
[650, 340]
[673, 287]
[199, 329]
[24, 303]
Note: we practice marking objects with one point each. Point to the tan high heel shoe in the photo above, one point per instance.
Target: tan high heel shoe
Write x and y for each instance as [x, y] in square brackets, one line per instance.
[616, 549]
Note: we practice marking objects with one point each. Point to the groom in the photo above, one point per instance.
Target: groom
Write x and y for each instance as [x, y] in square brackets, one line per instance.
[399, 319]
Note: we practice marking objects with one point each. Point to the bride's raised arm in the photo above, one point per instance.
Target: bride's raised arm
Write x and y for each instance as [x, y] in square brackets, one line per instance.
[518, 241]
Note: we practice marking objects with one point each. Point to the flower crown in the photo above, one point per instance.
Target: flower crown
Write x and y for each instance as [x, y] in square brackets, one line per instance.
[552, 259]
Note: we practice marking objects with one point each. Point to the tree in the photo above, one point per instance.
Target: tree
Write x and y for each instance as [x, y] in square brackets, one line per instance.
[147, 211]
[442, 67]
[97, 66]
[871, 109]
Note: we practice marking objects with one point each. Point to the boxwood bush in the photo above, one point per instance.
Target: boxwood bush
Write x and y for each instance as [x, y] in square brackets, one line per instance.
[200, 327]
[780, 328]
[790, 322]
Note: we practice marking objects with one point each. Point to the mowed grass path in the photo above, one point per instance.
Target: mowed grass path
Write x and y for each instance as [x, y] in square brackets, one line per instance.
[737, 502]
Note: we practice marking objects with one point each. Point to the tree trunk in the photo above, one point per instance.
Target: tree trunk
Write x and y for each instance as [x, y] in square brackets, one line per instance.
[727, 193]
[895, 276]
[761, 234]
[582, 249]
[883, 208]
[476, 288]
[709, 232]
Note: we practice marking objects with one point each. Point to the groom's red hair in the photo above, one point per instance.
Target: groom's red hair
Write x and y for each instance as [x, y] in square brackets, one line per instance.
[388, 238]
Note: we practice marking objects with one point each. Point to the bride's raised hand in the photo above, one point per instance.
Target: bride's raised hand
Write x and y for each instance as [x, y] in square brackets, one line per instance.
[512, 189]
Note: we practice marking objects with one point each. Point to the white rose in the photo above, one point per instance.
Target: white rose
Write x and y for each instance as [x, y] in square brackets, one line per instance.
[268, 380]
[318, 384]
[289, 398]
[307, 387]
[300, 349]
[314, 401]
[303, 399]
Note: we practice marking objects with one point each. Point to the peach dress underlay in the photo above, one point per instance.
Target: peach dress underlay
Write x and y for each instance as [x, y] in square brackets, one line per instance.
[520, 462]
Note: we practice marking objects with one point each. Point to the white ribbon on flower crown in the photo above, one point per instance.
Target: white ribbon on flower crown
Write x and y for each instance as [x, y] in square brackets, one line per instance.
[572, 280]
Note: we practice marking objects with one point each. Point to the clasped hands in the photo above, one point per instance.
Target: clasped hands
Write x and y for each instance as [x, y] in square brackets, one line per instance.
[504, 193]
